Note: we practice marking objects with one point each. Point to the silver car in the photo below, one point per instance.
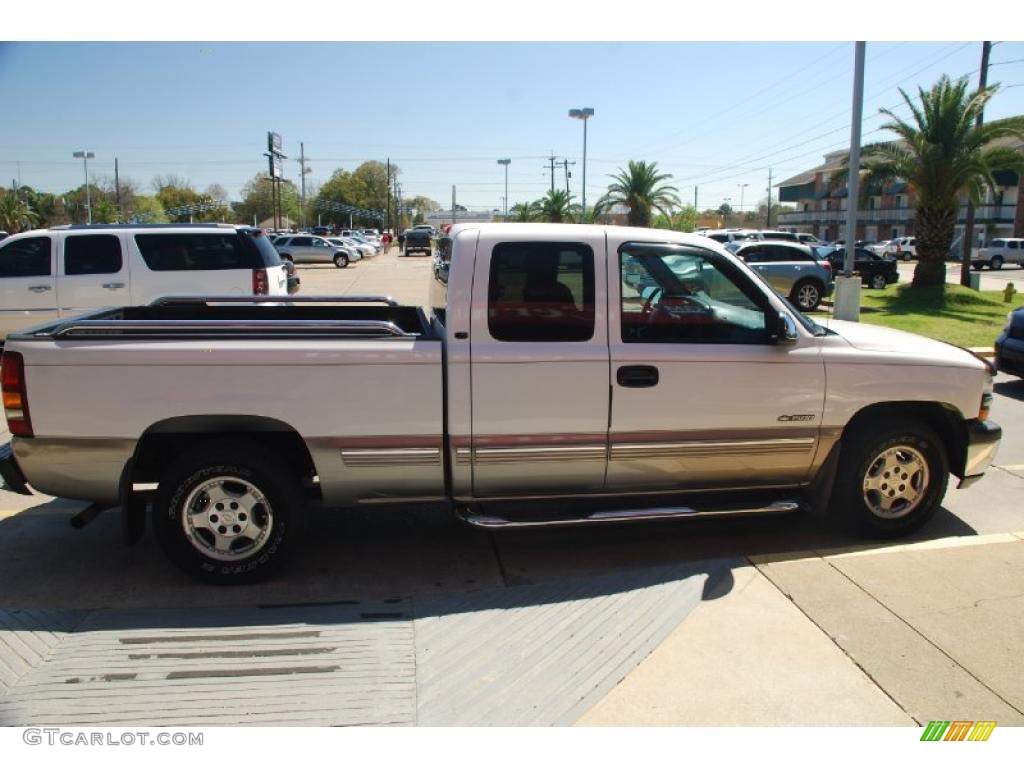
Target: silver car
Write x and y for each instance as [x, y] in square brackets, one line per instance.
[310, 249]
[793, 270]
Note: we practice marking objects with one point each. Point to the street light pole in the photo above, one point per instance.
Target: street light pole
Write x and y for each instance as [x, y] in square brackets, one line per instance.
[583, 114]
[743, 188]
[505, 161]
[86, 157]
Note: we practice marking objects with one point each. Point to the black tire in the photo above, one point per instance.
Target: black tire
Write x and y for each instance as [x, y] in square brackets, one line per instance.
[340, 260]
[862, 462]
[878, 282]
[996, 262]
[240, 465]
[806, 294]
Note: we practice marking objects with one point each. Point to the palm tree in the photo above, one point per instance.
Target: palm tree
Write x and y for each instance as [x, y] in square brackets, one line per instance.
[15, 213]
[942, 156]
[524, 212]
[640, 188]
[556, 206]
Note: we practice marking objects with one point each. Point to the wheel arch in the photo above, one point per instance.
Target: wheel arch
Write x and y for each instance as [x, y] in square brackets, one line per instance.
[170, 437]
[945, 419]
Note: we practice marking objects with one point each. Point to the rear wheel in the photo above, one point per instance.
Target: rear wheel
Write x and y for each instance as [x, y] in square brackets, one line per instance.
[891, 478]
[340, 260]
[806, 295]
[227, 514]
[996, 262]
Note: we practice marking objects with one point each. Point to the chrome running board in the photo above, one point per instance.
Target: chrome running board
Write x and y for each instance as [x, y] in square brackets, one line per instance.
[623, 515]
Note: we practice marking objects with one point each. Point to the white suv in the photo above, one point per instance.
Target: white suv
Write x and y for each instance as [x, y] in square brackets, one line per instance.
[1002, 250]
[46, 274]
[902, 248]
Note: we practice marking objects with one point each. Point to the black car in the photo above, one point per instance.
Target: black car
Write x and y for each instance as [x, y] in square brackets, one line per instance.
[416, 240]
[874, 270]
[1010, 345]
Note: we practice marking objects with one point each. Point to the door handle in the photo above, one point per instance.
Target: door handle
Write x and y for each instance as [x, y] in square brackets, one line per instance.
[40, 288]
[637, 376]
[113, 286]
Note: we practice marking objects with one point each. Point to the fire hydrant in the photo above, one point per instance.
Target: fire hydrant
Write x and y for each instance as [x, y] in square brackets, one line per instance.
[1008, 292]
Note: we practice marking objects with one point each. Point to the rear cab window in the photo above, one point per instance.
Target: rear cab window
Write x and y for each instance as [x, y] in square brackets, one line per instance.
[541, 292]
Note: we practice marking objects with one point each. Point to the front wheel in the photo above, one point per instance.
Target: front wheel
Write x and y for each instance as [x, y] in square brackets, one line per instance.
[891, 478]
[878, 282]
[806, 295]
[227, 514]
[996, 262]
[341, 261]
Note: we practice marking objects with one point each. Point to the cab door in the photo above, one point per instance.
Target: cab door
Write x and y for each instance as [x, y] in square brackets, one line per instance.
[93, 273]
[702, 396]
[28, 292]
[539, 365]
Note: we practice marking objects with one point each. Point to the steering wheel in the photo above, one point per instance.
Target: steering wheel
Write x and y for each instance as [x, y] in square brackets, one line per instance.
[652, 298]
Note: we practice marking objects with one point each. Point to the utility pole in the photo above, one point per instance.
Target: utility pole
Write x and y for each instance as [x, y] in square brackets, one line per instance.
[453, 194]
[565, 165]
[769, 215]
[847, 302]
[695, 197]
[388, 224]
[303, 171]
[551, 162]
[117, 192]
[965, 263]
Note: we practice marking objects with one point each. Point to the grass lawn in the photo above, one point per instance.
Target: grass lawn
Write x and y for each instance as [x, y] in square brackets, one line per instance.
[949, 313]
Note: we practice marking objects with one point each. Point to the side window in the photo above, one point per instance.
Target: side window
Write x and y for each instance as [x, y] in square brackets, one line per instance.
[998, 243]
[25, 258]
[541, 292]
[683, 295]
[301, 242]
[1013, 244]
[754, 255]
[176, 252]
[92, 255]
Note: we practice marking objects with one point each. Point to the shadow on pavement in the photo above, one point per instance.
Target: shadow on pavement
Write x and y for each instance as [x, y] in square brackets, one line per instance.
[1014, 389]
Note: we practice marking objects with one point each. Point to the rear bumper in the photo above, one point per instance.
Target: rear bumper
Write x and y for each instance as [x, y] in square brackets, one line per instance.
[983, 439]
[11, 478]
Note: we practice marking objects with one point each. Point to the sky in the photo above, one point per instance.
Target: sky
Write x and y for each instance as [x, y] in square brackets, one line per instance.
[717, 116]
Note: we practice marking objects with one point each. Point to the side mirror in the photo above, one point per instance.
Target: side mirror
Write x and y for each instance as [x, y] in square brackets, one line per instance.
[785, 330]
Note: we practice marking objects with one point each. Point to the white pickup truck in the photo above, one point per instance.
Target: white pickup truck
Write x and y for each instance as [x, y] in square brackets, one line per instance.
[649, 374]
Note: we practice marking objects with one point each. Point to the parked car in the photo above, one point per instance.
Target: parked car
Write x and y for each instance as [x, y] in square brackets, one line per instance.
[904, 248]
[721, 396]
[1009, 346]
[878, 248]
[416, 240]
[1002, 250]
[792, 269]
[354, 254]
[364, 249]
[357, 237]
[308, 249]
[62, 271]
[775, 234]
[320, 231]
[3, 234]
[808, 239]
[874, 270]
[727, 236]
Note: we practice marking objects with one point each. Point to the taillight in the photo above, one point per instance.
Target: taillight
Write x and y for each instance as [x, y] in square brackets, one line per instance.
[260, 284]
[827, 265]
[15, 396]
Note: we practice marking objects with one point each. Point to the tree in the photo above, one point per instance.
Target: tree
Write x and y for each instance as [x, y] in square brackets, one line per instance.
[556, 206]
[15, 213]
[640, 188]
[524, 212]
[174, 192]
[146, 210]
[942, 156]
[366, 187]
[257, 200]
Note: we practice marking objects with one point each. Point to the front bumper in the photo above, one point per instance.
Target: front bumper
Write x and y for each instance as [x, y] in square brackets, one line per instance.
[983, 439]
[1009, 355]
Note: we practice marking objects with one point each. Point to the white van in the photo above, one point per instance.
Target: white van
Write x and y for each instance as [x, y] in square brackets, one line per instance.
[46, 274]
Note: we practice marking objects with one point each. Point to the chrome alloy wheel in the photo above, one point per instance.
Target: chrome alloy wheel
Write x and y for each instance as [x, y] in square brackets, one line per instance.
[227, 519]
[807, 297]
[896, 482]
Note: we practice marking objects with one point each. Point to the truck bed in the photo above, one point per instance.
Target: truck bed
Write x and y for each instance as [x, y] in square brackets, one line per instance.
[212, 317]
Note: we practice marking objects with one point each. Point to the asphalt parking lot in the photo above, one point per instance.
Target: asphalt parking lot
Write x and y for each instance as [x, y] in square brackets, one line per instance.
[396, 616]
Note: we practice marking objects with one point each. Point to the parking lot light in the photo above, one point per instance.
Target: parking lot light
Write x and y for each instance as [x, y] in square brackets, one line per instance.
[86, 157]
